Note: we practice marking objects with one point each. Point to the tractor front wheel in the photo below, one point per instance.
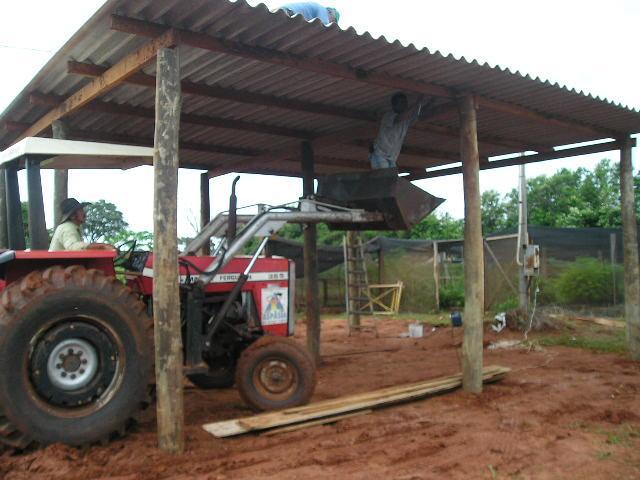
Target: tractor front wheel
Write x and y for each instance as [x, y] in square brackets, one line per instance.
[75, 358]
[275, 373]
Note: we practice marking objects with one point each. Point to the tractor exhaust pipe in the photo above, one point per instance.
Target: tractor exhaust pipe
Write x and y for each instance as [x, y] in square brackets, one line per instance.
[233, 213]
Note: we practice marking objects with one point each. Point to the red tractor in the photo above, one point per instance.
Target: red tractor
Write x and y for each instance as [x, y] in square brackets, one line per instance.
[76, 342]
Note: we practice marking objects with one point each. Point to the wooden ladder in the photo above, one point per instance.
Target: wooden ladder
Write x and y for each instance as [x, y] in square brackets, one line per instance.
[358, 294]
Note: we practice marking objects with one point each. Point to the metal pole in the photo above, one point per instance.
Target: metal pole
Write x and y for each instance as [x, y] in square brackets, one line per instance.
[205, 209]
[166, 295]
[630, 241]
[60, 177]
[523, 241]
[473, 250]
[312, 303]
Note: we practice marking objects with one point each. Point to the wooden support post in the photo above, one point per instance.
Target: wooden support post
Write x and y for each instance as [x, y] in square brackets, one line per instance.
[436, 275]
[205, 208]
[166, 298]
[473, 250]
[312, 304]
[4, 238]
[630, 248]
[60, 177]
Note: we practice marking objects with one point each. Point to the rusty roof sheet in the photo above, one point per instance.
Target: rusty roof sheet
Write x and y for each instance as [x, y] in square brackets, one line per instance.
[96, 43]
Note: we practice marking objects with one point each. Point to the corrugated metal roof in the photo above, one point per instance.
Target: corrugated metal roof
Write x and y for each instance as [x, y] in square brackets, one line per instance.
[499, 133]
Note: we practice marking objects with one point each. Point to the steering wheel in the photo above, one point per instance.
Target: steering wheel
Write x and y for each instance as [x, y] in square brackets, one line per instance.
[125, 249]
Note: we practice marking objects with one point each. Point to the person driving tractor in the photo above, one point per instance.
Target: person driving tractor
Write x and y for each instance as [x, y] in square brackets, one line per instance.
[68, 235]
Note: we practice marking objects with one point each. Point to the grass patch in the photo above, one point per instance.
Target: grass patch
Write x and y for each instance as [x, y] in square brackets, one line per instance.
[613, 343]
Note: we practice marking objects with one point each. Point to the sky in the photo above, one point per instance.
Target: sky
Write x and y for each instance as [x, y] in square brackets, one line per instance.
[588, 45]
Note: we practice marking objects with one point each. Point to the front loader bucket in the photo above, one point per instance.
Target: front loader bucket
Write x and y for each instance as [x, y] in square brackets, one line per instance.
[402, 204]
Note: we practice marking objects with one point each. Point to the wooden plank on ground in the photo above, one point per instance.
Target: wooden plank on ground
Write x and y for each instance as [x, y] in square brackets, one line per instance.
[315, 423]
[343, 405]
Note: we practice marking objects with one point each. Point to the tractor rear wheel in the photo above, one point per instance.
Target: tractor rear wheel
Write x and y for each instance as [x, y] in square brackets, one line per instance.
[75, 358]
[275, 373]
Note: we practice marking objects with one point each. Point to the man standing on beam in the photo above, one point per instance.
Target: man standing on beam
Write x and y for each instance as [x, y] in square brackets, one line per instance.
[393, 129]
[312, 10]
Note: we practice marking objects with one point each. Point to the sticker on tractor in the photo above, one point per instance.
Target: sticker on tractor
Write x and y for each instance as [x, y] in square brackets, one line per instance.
[275, 301]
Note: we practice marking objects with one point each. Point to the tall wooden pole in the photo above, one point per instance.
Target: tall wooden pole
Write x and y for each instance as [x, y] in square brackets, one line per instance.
[205, 208]
[60, 177]
[630, 248]
[166, 298]
[312, 303]
[473, 251]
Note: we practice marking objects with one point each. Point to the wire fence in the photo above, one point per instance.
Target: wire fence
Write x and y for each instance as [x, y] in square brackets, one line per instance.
[579, 268]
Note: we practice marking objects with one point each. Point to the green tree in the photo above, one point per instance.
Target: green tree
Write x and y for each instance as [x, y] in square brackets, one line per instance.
[568, 198]
[494, 212]
[105, 223]
[438, 227]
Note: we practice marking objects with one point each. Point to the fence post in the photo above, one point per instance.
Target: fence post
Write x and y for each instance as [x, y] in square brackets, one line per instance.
[436, 275]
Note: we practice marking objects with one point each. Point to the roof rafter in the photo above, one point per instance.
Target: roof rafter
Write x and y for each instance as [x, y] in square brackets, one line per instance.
[193, 119]
[207, 42]
[224, 93]
[242, 96]
[130, 64]
[539, 157]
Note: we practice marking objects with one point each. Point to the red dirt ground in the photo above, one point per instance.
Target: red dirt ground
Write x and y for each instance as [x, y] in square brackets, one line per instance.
[562, 413]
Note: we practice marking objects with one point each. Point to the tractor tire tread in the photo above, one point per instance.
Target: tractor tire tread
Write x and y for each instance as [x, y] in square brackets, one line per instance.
[18, 295]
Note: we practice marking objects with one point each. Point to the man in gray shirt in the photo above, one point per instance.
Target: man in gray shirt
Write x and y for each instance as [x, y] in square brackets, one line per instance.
[393, 130]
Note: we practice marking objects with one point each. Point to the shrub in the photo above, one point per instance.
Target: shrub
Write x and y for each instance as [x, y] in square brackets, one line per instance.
[587, 282]
[452, 294]
[508, 305]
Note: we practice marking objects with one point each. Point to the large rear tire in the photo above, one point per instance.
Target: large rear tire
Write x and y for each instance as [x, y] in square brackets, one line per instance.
[76, 358]
[275, 373]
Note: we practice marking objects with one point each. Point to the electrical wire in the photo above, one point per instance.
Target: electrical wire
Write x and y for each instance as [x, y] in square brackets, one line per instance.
[26, 49]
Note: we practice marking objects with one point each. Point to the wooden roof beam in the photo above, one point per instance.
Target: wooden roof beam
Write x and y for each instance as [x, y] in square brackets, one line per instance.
[241, 96]
[301, 62]
[100, 136]
[231, 94]
[316, 65]
[129, 65]
[539, 157]
[193, 119]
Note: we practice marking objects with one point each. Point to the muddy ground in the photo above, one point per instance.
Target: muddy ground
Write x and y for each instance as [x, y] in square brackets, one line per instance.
[562, 413]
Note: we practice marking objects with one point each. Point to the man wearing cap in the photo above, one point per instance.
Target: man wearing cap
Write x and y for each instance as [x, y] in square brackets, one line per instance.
[393, 130]
[68, 235]
[311, 11]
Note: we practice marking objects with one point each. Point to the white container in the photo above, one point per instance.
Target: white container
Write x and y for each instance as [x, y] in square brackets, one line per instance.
[416, 330]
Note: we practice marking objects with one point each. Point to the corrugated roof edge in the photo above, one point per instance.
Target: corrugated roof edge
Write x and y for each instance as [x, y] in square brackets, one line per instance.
[449, 56]
[108, 8]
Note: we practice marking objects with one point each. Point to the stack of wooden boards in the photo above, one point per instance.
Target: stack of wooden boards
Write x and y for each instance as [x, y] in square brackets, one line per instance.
[329, 411]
